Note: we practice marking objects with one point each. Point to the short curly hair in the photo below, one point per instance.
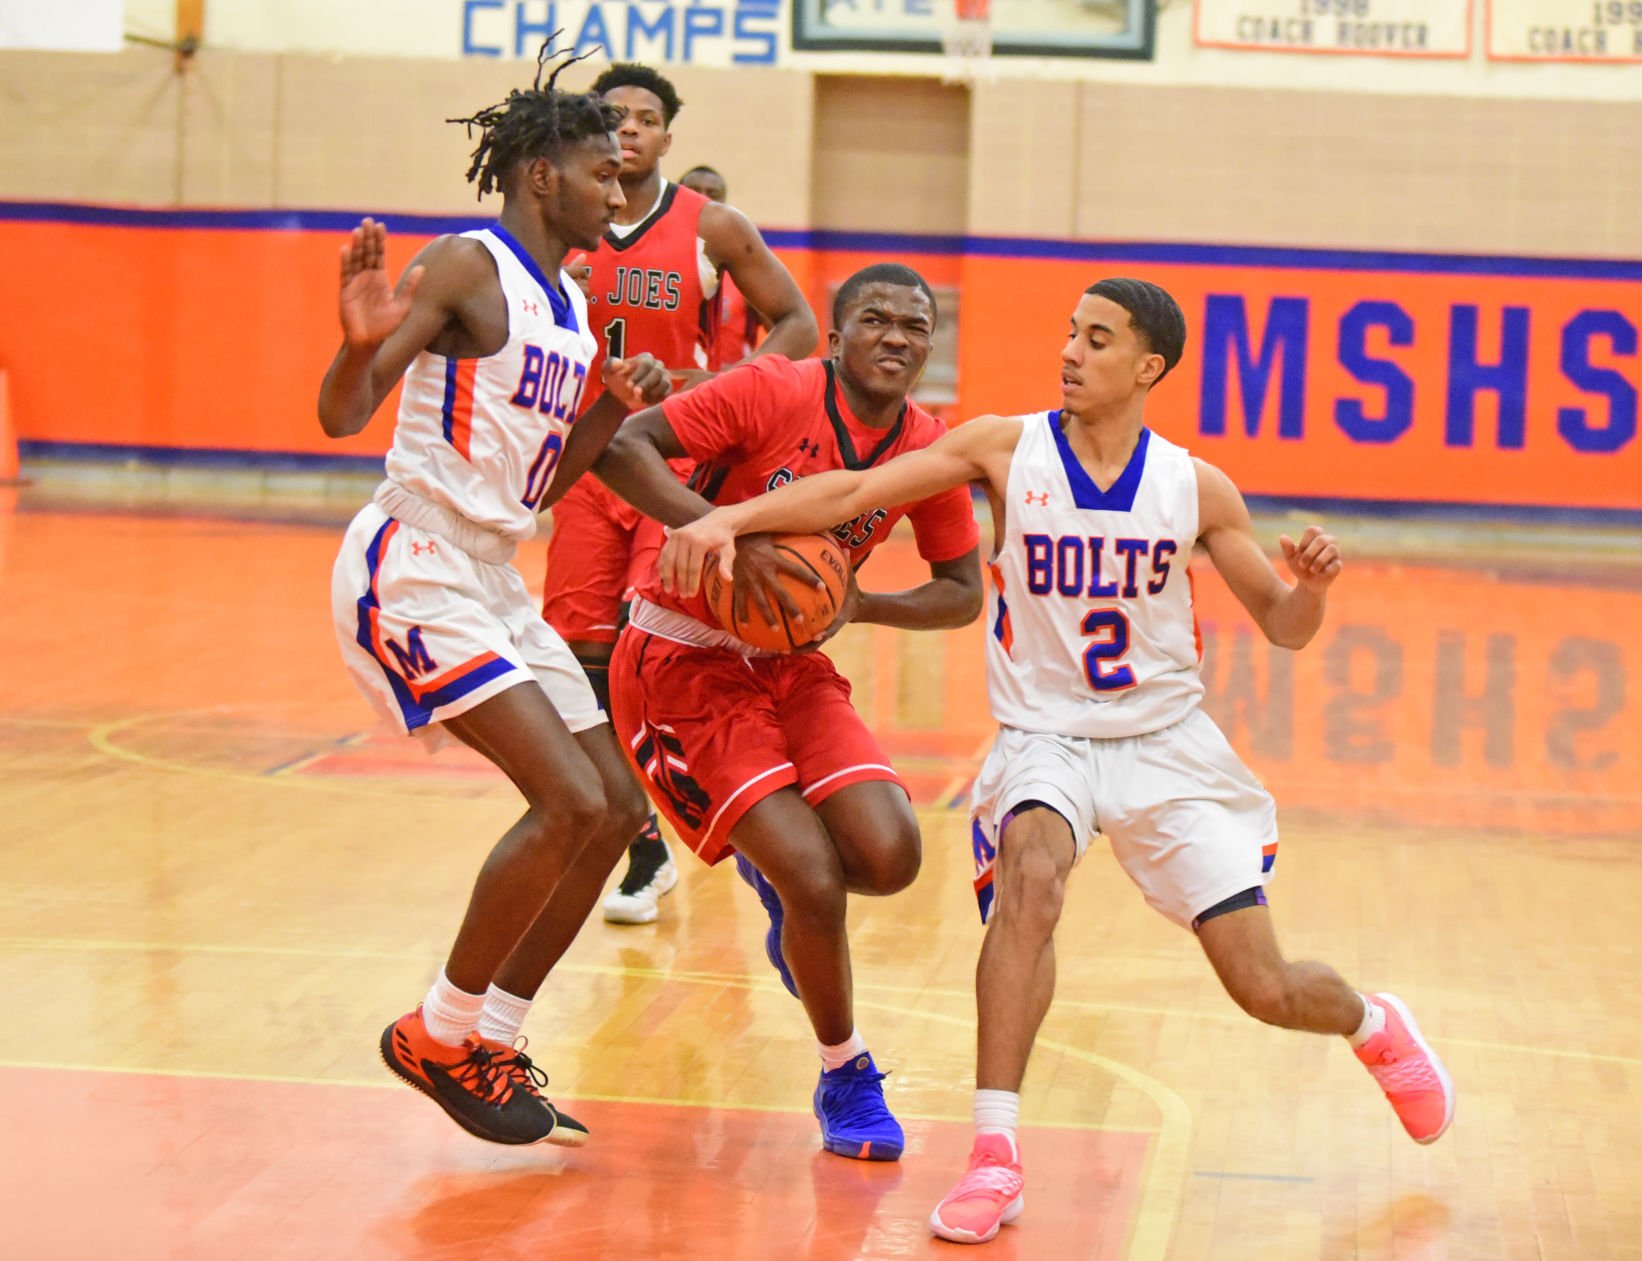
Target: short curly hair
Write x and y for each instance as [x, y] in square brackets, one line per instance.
[1153, 313]
[630, 74]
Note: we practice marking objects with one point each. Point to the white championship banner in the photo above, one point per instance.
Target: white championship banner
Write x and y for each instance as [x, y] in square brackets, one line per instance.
[81, 26]
[1368, 28]
[1565, 30]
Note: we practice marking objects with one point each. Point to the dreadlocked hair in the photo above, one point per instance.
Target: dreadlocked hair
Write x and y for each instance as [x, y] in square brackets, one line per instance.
[538, 122]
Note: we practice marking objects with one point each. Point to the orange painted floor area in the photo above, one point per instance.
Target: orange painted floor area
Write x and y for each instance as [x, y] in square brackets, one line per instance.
[186, 1167]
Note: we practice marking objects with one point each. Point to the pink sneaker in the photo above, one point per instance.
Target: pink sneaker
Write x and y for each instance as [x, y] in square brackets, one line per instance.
[986, 1197]
[1409, 1072]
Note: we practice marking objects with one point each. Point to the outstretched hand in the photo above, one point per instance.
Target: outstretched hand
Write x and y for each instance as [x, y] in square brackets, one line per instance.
[581, 271]
[370, 308]
[639, 381]
[689, 549]
[1315, 560]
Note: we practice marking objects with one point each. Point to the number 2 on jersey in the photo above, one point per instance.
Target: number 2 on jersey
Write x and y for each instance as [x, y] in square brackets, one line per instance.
[615, 338]
[1110, 629]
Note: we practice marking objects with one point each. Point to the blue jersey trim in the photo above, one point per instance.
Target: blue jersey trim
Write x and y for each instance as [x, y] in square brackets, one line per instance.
[1120, 497]
[414, 715]
[564, 315]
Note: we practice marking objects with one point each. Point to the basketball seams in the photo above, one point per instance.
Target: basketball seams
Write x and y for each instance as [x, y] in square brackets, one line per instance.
[823, 570]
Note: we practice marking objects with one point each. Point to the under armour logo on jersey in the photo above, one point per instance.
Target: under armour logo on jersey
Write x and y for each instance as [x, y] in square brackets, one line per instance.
[526, 305]
[418, 548]
[1039, 497]
[806, 447]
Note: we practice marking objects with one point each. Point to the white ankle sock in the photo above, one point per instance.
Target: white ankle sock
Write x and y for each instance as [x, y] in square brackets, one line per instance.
[503, 1016]
[837, 1056]
[997, 1112]
[450, 1014]
[1373, 1022]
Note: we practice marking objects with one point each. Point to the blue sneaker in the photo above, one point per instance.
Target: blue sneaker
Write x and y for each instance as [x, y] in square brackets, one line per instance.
[855, 1120]
[772, 904]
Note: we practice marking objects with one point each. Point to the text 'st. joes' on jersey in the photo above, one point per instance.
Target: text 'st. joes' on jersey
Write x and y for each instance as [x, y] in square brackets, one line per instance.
[769, 421]
[650, 292]
[1091, 630]
[482, 437]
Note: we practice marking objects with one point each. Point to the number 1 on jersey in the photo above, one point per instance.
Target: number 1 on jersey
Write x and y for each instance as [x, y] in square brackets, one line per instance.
[1100, 667]
[615, 338]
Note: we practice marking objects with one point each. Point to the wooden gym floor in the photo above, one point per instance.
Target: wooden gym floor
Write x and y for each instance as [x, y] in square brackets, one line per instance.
[220, 882]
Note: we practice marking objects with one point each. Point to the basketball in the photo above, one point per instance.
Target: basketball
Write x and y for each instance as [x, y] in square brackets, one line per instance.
[823, 556]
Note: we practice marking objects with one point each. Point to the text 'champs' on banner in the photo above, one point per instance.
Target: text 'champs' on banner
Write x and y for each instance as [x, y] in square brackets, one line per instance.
[1565, 30]
[1372, 28]
[660, 32]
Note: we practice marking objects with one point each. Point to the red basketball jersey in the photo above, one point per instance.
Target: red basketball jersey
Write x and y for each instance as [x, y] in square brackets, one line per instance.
[771, 420]
[738, 326]
[645, 290]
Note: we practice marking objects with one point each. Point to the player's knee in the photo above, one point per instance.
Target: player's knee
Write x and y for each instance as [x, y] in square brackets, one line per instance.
[1031, 887]
[580, 809]
[895, 861]
[816, 892]
[1264, 994]
[626, 809]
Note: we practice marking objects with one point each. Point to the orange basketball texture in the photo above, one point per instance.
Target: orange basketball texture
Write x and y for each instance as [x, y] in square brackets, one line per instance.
[823, 556]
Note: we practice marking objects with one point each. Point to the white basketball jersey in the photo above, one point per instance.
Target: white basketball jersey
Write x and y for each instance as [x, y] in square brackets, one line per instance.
[483, 436]
[1091, 630]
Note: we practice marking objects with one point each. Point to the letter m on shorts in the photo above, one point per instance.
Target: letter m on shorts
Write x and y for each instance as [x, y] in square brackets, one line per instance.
[661, 756]
[414, 660]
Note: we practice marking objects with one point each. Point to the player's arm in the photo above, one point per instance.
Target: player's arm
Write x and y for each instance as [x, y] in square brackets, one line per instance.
[638, 381]
[383, 328]
[1288, 616]
[964, 455]
[952, 597]
[737, 246]
[634, 465]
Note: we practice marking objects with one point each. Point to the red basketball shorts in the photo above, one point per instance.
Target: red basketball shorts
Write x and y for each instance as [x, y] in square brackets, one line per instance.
[590, 562]
[713, 733]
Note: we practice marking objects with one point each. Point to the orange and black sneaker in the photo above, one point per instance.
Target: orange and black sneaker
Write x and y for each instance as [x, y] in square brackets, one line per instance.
[529, 1080]
[467, 1082]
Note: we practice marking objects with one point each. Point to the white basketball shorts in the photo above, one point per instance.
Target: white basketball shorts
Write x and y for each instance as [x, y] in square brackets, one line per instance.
[1185, 818]
[428, 631]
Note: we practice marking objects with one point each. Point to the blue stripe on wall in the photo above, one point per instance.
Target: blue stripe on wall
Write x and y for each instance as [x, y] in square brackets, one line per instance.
[883, 242]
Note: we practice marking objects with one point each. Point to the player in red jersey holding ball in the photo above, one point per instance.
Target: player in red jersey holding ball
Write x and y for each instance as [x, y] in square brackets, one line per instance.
[652, 286]
[763, 755]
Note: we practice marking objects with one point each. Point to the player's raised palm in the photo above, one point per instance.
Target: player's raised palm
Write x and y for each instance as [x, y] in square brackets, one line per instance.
[371, 310]
[1315, 560]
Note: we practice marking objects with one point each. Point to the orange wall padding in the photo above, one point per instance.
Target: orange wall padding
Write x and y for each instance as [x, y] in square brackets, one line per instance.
[176, 332]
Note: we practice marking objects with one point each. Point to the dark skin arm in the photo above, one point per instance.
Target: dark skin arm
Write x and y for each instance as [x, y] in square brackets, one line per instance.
[738, 247]
[952, 597]
[640, 380]
[449, 301]
[634, 465]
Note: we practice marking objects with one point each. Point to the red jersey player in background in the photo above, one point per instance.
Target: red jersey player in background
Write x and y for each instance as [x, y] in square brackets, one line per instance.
[653, 288]
[762, 754]
[739, 325]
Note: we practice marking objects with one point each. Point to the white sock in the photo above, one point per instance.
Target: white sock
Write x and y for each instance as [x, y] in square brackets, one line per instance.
[997, 1112]
[450, 1014]
[1373, 1022]
[503, 1016]
[837, 1056]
